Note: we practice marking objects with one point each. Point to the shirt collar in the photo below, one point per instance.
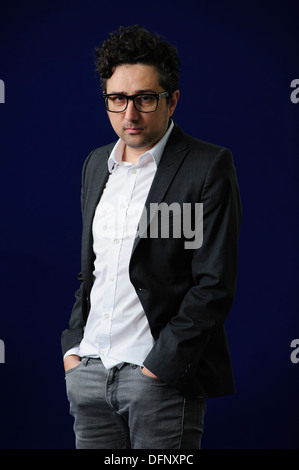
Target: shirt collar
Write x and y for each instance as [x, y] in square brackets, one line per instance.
[155, 152]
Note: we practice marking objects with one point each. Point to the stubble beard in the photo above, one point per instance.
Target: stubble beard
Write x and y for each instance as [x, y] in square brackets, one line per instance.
[140, 141]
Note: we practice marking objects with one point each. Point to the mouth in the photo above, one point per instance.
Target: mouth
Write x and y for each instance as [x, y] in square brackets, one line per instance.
[133, 130]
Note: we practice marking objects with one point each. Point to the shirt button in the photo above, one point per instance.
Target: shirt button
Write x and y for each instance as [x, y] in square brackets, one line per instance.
[102, 351]
[111, 278]
[134, 172]
[115, 241]
[107, 315]
[122, 206]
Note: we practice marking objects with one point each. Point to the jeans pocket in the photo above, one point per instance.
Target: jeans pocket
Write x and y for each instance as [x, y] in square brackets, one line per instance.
[69, 371]
[150, 380]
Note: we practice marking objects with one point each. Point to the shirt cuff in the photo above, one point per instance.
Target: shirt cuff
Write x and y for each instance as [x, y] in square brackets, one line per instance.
[75, 350]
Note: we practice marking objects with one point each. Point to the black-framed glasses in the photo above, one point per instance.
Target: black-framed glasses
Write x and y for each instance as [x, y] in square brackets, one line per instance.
[143, 102]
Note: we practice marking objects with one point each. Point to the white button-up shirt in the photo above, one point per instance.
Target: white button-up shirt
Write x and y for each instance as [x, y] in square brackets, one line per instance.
[117, 328]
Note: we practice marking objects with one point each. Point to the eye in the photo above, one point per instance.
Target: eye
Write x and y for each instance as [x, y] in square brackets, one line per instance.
[117, 99]
[145, 99]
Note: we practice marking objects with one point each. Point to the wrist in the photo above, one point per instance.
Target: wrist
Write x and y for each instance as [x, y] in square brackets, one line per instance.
[148, 373]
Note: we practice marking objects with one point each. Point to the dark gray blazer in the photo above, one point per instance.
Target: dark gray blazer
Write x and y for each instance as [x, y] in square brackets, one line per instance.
[186, 293]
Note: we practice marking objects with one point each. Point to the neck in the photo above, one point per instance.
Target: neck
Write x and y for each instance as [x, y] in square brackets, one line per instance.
[132, 155]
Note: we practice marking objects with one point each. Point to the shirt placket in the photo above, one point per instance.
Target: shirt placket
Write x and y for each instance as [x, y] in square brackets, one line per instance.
[121, 203]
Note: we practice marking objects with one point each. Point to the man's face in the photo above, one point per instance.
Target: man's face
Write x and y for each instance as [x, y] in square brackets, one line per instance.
[140, 131]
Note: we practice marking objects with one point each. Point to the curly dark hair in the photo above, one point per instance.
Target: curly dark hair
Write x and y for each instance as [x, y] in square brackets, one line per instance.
[133, 45]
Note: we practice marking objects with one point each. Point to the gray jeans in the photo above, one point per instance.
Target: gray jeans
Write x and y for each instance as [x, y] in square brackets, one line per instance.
[121, 408]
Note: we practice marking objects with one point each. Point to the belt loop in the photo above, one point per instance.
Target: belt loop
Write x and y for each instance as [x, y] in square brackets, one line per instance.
[85, 360]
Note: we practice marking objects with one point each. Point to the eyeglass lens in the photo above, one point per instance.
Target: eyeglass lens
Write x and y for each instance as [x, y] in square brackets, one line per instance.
[143, 102]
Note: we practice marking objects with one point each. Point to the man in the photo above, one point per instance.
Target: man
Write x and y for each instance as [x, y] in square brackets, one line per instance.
[146, 343]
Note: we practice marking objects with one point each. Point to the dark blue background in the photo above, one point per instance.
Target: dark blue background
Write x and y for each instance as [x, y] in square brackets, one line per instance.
[238, 60]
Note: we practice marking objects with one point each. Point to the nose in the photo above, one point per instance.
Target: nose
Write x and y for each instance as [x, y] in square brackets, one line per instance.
[131, 113]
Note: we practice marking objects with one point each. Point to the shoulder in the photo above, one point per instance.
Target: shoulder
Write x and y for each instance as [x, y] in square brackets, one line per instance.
[200, 153]
[97, 157]
[99, 154]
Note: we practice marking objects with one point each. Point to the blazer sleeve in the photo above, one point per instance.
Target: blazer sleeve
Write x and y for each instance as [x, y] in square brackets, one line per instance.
[74, 334]
[182, 342]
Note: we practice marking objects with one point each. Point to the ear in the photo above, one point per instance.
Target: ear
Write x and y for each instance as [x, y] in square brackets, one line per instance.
[173, 102]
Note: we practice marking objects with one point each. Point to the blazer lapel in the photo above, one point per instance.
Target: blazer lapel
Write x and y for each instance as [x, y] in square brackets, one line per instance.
[173, 156]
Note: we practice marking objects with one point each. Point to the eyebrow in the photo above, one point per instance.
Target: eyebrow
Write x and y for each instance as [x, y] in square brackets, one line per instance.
[148, 90]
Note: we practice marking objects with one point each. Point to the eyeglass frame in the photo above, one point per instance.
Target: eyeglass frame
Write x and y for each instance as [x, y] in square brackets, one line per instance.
[164, 94]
